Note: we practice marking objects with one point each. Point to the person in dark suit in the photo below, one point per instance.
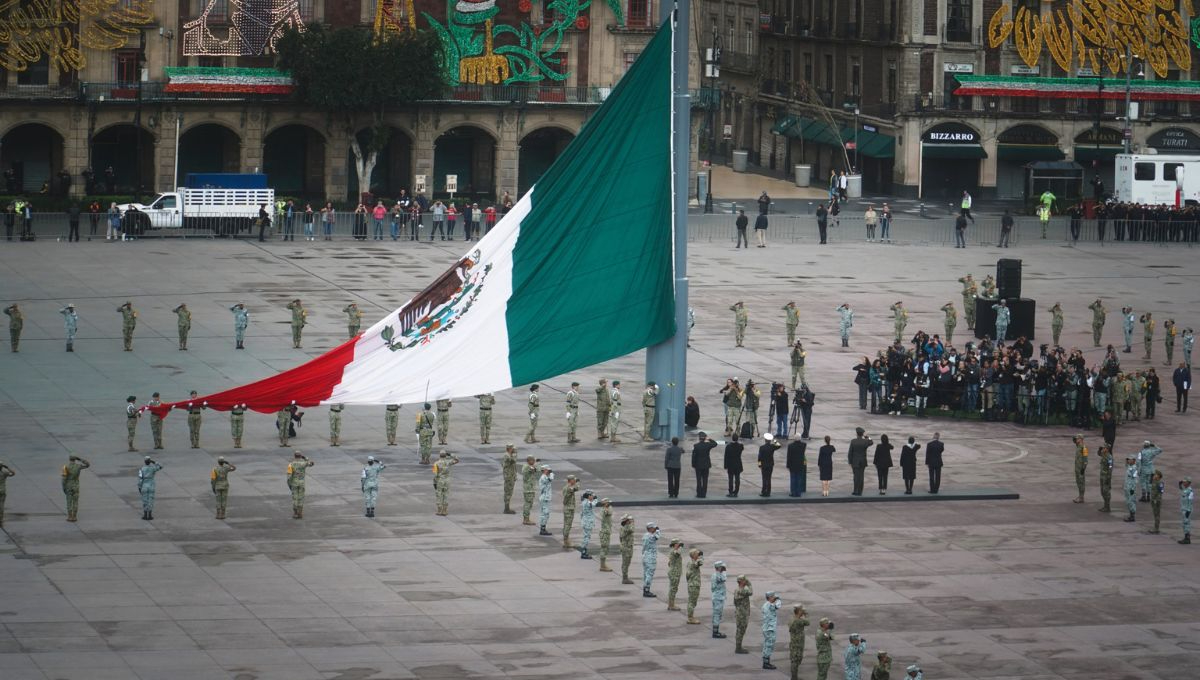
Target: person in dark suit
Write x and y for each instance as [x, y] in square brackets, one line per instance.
[766, 462]
[933, 461]
[908, 464]
[733, 465]
[805, 398]
[883, 462]
[702, 463]
[796, 463]
[857, 457]
[673, 462]
[825, 465]
[1182, 378]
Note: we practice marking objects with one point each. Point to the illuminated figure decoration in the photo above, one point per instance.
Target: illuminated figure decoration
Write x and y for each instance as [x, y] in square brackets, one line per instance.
[1095, 33]
[394, 15]
[31, 31]
[254, 28]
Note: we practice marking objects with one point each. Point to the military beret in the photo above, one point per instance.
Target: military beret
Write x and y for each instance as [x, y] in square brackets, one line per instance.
[675, 542]
[651, 525]
[426, 405]
[545, 467]
[572, 478]
[855, 636]
[770, 594]
[718, 565]
[297, 454]
[589, 492]
[742, 577]
[881, 654]
[824, 620]
[626, 517]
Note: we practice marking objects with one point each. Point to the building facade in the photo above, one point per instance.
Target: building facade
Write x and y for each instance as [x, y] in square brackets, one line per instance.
[887, 86]
[157, 90]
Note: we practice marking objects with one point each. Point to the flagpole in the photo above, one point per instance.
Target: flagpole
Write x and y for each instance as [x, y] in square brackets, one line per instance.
[666, 362]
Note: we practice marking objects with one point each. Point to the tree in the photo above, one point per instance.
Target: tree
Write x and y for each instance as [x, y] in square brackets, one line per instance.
[352, 72]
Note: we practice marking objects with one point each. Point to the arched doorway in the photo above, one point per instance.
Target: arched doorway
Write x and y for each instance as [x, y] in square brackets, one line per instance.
[393, 166]
[116, 147]
[951, 154]
[294, 161]
[539, 149]
[33, 153]
[209, 148]
[470, 153]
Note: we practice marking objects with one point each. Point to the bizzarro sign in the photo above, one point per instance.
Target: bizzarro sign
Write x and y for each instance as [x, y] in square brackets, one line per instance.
[951, 133]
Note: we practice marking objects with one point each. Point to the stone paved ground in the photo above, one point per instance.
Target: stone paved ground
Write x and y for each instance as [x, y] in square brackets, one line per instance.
[1036, 589]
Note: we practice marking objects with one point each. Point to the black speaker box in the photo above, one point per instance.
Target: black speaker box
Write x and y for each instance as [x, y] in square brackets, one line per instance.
[1008, 278]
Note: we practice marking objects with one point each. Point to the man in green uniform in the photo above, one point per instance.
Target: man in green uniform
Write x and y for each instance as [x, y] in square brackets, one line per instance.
[605, 532]
[568, 505]
[70, 484]
[741, 612]
[614, 412]
[425, 420]
[989, 287]
[443, 420]
[299, 319]
[1148, 332]
[391, 420]
[237, 423]
[1106, 470]
[441, 481]
[535, 407]
[572, 413]
[219, 480]
[185, 324]
[602, 407]
[128, 323]
[969, 291]
[297, 470]
[486, 403]
[796, 639]
[353, 318]
[1099, 315]
[5, 473]
[824, 648]
[194, 408]
[649, 400]
[283, 421]
[899, 319]
[674, 572]
[1156, 493]
[146, 486]
[733, 409]
[1081, 461]
[16, 321]
[950, 322]
[1056, 322]
[132, 413]
[1169, 332]
[696, 560]
[626, 539]
[740, 319]
[335, 424]
[529, 485]
[508, 467]
[793, 321]
[798, 358]
[156, 423]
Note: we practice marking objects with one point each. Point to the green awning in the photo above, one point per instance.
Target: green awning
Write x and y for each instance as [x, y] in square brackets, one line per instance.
[872, 144]
[1104, 154]
[967, 151]
[1029, 152]
[784, 124]
[817, 131]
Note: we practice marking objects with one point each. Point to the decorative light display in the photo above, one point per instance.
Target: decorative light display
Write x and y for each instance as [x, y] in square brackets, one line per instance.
[32, 31]
[1095, 33]
[394, 16]
[205, 80]
[254, 28]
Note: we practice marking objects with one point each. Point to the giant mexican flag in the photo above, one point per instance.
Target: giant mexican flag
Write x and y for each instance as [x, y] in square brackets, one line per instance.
[579, 272]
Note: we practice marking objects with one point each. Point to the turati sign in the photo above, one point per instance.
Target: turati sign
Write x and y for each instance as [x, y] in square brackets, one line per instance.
[950, 133]
[1174, 139]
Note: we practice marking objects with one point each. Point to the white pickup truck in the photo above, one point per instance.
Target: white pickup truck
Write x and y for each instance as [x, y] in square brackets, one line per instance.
[223, 211]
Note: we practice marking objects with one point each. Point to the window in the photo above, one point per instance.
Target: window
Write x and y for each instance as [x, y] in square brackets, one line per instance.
[808, 72]
[1023, 104]
[219, 10]
[1169, 170]
[731, 38]
[126, 67]
[828, 84]
[166, 203]
[630, 57]
[855, 77]
[638, 14]
[892, 82]
[958, 20]
[949, 85]
[307, 10]
[749, 38]
[787, 68]
[37, 73]
[1143, 172]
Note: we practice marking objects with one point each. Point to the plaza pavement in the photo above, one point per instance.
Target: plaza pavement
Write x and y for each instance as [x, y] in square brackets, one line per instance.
[1036, 588]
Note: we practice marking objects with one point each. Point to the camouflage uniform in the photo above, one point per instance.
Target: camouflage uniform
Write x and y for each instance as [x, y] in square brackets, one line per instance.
[146, 486]
[614, 412]
[587, 521]
[391, 420]
[184, 318]
[1156, 494]
[296, 472]
[649, 401]
[369, 483]
[545, 488]
[193, 420]
[718, 597]
[132, 414]
[335, 424]
[529, 483]
[1056, 322]
[793, 321]
[1106, 470]
[1099, 315]
[969, 292]
[508, 468]
[443, 420]
[424, 429]
[128, 324]
[1148, 333]
[283, 422]
[353, 318]
[70, 484]
[824, 651]
[237, 424]
[674, 573]
[568, 506]
[899, 319]
[605, 532]
[16, 321]
[5, 473]
[1081, 461]
[441, 481]
[626, 539]
[796, 641]
[486, 403]
[602, 406]
[572, 412]
[693, 584]
[741, 612]
[219, 480]
[156, 423]
[740, 320]
[951, 321]
[299, 320]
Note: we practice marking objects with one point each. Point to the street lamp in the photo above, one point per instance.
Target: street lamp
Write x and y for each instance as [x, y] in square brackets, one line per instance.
[712, 69]
[1126, 134]
[856, 138]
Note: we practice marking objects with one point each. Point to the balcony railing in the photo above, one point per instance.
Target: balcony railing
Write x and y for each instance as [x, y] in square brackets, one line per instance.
[68, 92]
[738, 61]
[527, 94]
[154, 91]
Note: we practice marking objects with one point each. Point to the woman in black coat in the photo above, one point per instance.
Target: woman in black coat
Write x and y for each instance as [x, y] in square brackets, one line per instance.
[691, 413]
[908, 464]
[825, 465]
[883, 462]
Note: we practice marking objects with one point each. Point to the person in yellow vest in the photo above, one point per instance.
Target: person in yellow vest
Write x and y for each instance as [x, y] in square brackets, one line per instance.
[1043, 214]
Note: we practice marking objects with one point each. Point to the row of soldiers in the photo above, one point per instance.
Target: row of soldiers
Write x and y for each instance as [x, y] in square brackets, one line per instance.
[1143, 483]
[608, 418]
[537, 483]
[129, 317]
